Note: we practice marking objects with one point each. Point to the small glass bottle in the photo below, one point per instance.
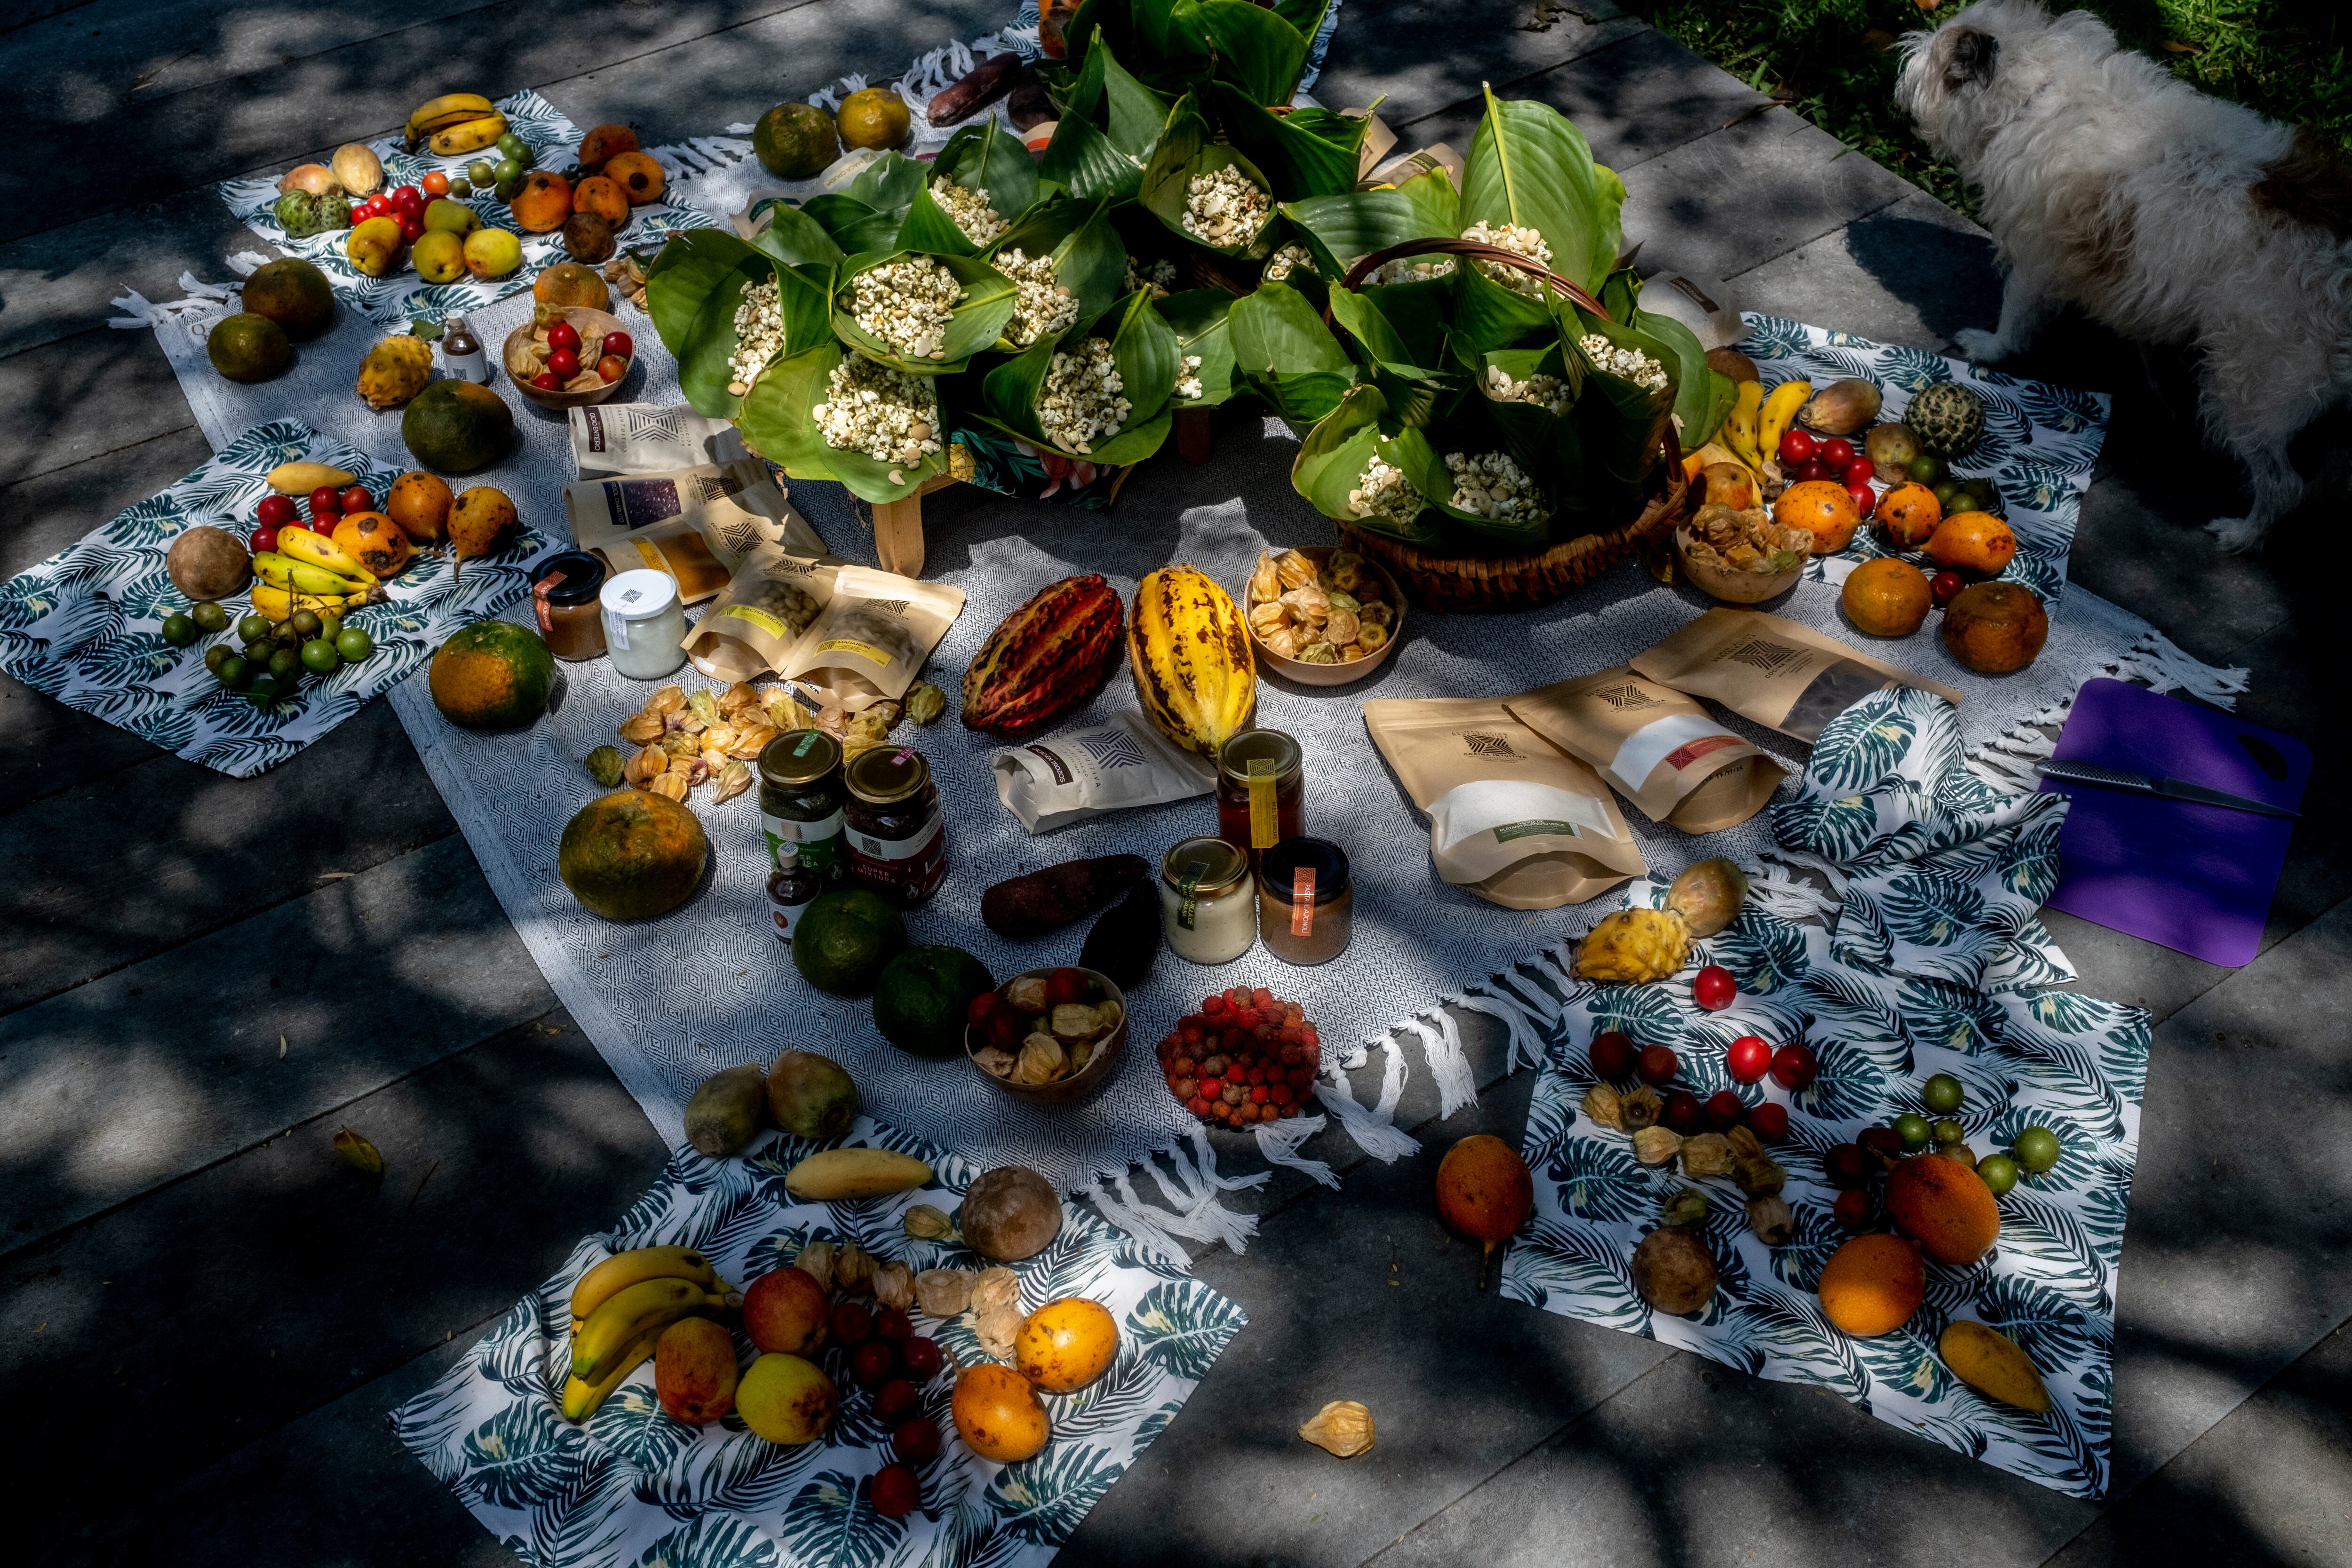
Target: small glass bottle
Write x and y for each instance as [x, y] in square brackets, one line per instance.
[461, 351]
[800, 800]
[792, 887]
[1261, 791]
[896, 836]
[563, 593]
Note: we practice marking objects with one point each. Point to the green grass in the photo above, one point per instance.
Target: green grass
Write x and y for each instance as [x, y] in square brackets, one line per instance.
[1832, 62]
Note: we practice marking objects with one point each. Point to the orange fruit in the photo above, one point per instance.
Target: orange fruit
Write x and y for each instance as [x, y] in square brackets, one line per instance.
[420, 504]
[1908, 514]
[1873, 1284]
[1886, 597]
[1945, 1207]
[543, 203]
[1973, 541]
[1822, 509]
[1995, 627]
[1066, 1344]
[640, 178]
[998, 1414]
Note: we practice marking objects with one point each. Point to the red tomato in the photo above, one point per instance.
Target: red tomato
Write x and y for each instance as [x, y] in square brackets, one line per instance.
[1943, 585]
[1837, 454]
[1658, 1065]
[983, 1006]
[1793, 1067]
[1611, 1054]
[564, 364]
[853, 1323]
[1852, 1209]
[1714, 988]
[1748, 1059]
[1797, 447]
[261, 540]
[612, 368]
[918, 1440]
[357, 499]
[920, 1359]
[1065, 985]
[895, 1491]
[436, 183]
[547, 381]
[1884, 1142]
[275, 510]
[1682, 1112]
[564, 335]
[326, 498]
[1770, 1121]
[1864, 498]
[895, 1399]
[1725, 1111]
[620, 343]
[1846, 1165]
[1808, 471]
[412, 229]
[1862, 470]
[408, 198]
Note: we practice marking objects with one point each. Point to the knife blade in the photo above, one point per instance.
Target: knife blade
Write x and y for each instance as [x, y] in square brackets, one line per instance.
[2168, 789]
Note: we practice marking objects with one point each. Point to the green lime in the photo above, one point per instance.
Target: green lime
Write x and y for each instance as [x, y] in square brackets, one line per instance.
[460, 188]
[1927, 468]
[1959, 1154]
[2036, 1150]
[511, 145]
[320, 658]
[216, 656]
[179, 630]
[1914, 1131]
[920, 998]
[253, 628]
[1941, 1094]
[509, 189]
[305, 624]
[1946, 492]
[1998, 1171]
[509, 171]
[285, 634]
[1947, 1130]
[285, 664]
[353, 644]
[236, 672]
[210, 618]
[480, 172]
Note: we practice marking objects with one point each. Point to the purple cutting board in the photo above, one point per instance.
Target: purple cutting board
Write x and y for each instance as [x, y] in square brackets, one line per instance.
[2197, 878]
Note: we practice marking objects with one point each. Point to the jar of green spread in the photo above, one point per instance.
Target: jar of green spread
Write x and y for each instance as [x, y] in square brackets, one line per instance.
[801, 800]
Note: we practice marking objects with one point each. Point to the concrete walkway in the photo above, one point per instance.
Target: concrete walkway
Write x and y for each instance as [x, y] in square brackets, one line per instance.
[202, 1323]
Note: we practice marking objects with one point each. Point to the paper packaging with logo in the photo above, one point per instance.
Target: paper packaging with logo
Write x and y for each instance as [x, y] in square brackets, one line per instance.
[1512, 817]
[1762, 666]
[612, 438]
[1661, 750]
[859, 634]
[1066, 778]
[697, 524]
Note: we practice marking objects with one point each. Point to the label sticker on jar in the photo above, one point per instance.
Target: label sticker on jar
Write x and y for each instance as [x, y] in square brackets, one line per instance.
[1302, 901]
[538, 592]
[1189, 888]
[1265, 821]
[808, 739]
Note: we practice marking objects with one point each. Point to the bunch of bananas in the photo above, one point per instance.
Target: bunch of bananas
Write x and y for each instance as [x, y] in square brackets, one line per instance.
[621, 1307]
[455, 123]
[311, 572]
[1757, 422]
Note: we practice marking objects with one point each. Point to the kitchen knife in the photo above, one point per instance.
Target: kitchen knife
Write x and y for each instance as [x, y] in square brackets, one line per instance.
[2170, 789]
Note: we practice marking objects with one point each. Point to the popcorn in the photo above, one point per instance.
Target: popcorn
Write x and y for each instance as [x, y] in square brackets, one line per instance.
[906, 304]
[1526, 242]
[1383, 490]
[888, 415]
[1632, 363]
[1187, 377]
[1493, 486]
[1284, 260]
[1411, 270]
[1042, 308]
[759, 333]
[1081, 402]
[1548, 392]
[1157, 276]
[969, 211]
[1224, 208]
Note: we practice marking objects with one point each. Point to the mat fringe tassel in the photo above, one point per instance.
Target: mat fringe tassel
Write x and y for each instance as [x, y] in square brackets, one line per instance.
[1374, 1129]
[1278, 1142]
[1441, 1046]
[2155, 660]
[1524, 1039]
[1776, 888]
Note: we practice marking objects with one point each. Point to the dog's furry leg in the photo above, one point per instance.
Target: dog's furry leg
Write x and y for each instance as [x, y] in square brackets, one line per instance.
[2245, 415]
[2027, 306]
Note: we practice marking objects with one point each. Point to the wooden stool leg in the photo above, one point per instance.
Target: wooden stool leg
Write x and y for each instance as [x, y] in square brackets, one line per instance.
[898, 536]
[1193, 438]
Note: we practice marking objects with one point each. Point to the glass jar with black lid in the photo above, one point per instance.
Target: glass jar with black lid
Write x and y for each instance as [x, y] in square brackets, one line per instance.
[563, 590]
[898, 842]
[803, 802]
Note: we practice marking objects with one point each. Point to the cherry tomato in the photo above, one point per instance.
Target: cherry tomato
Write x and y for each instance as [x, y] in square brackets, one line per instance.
[1837, 454]
[853, 1323]
[1864, 498]
[1810, 469]
[1943, 585]
[620, 343]
[1846, 1165]
[1793, 1067]
[1861, 471]
[872, 1363]
[1658, 1065]
[412, 229]
[261, 540]
[1884, 1142]
[981, 1007]
[1611, 1054]
[274, 510]
[436, 183]
[916, 1440]
[326, 498]
[564, 364]
[564, 335]
[547, 381]
[1713, 988]
[1747, 1060]
[920, 1359]
[612, 368]
[1725, 1111]
[1852, 1209]
[1682, 1112]
[1797, 447]
[357, 499]
[895, 1399]
[1770, 1121]
[408, 198]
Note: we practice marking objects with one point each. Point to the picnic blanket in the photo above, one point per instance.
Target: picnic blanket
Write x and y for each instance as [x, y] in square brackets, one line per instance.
[632, 1486]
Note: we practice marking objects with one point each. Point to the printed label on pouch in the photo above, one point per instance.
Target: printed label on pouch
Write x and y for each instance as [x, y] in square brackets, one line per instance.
[1661, 741]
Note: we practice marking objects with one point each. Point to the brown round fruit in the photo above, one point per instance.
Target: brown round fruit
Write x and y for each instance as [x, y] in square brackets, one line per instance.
[1886, 597]
[207, 562]
[998, 1414]
[1010, 1213]
[1995, 627]
[587, 238]
[784, 1311]
[1822, 509]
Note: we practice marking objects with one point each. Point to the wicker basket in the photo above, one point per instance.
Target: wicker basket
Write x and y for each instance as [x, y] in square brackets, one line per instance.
[1499, 582]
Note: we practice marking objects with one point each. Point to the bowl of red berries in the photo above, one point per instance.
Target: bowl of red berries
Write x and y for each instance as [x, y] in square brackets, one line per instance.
[1246, 1056]
[569, 356]
[1047, 1036]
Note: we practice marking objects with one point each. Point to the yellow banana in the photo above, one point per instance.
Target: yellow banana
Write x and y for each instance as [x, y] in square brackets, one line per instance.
[280, 603]
[440, 113]
[854, 1174]
[318, 550]
[301, 478]
[301, 577]
[646, 1306]
[1778, 409]
[622, 1270]
[471, 136]
[581, 1399]
[1740, 425]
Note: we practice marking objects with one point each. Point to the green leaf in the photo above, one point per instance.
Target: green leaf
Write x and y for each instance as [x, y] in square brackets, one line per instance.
[1702, 396]
[856, 228]
[989, 157]
[1298, 162]
[1255, 49]
[1333, 456]
[1529, 165]
[791, 235]
[1305, 17]
[1407, 369]
[1284, 353]
[1620, 425]
[1186, 151]
[1488, 316]
[927, 228]
[1549, 446]
[1145, 347]
[1201, 319]
[890, 183]
[1473, 435]
[778, 423]
[977, 317]
[1137, 114]
[1082, 160]
[692, 290]
[1145, 351]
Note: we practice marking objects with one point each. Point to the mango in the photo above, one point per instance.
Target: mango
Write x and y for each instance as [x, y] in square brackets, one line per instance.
[786, 1400]
[375, 247]
[1993, 1364]
[489, 252]
[726, 1112]
[694, 1371]
[439, 256]
[443, 215]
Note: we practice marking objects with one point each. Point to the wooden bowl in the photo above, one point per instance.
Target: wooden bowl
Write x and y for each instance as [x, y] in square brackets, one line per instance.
[586, 320]
[1733, 587]
[1079, 1084]
[1332, 674]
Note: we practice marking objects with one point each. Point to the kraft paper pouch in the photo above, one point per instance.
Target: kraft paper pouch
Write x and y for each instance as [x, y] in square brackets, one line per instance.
[697, 524]
[859, 635]
[755, 625]
[1066, 778]
[1660, 749]
[1784, 676]
[612, 438]
[1512, 817]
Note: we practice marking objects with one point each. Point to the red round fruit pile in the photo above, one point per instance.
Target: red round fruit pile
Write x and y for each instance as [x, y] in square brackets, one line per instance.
[877, 1349]
[1615, 1057]
[1246, 1056]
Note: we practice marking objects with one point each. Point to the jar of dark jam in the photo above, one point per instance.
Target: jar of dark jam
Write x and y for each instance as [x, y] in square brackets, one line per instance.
[801, 801]
[1261, 791]
[897, 840]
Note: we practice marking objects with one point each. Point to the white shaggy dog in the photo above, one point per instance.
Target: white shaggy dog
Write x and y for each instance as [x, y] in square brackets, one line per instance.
[2170, 216]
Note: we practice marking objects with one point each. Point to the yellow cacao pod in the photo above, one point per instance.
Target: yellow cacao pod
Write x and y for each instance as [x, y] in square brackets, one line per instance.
[1190, 654]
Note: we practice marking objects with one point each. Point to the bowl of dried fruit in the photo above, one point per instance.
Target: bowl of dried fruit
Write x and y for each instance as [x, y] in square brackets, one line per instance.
[1740, 557]
[1047, 1036]
[1322, 616]
[536, 356]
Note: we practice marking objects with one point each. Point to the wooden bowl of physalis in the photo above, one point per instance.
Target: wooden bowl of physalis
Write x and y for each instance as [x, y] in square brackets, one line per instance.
[569, 356]
[1321, 616]
[1048, 1037]
[1741, 557]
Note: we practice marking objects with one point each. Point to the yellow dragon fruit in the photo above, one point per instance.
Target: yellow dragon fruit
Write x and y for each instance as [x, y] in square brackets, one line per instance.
[394, 371]
[1632, 947]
